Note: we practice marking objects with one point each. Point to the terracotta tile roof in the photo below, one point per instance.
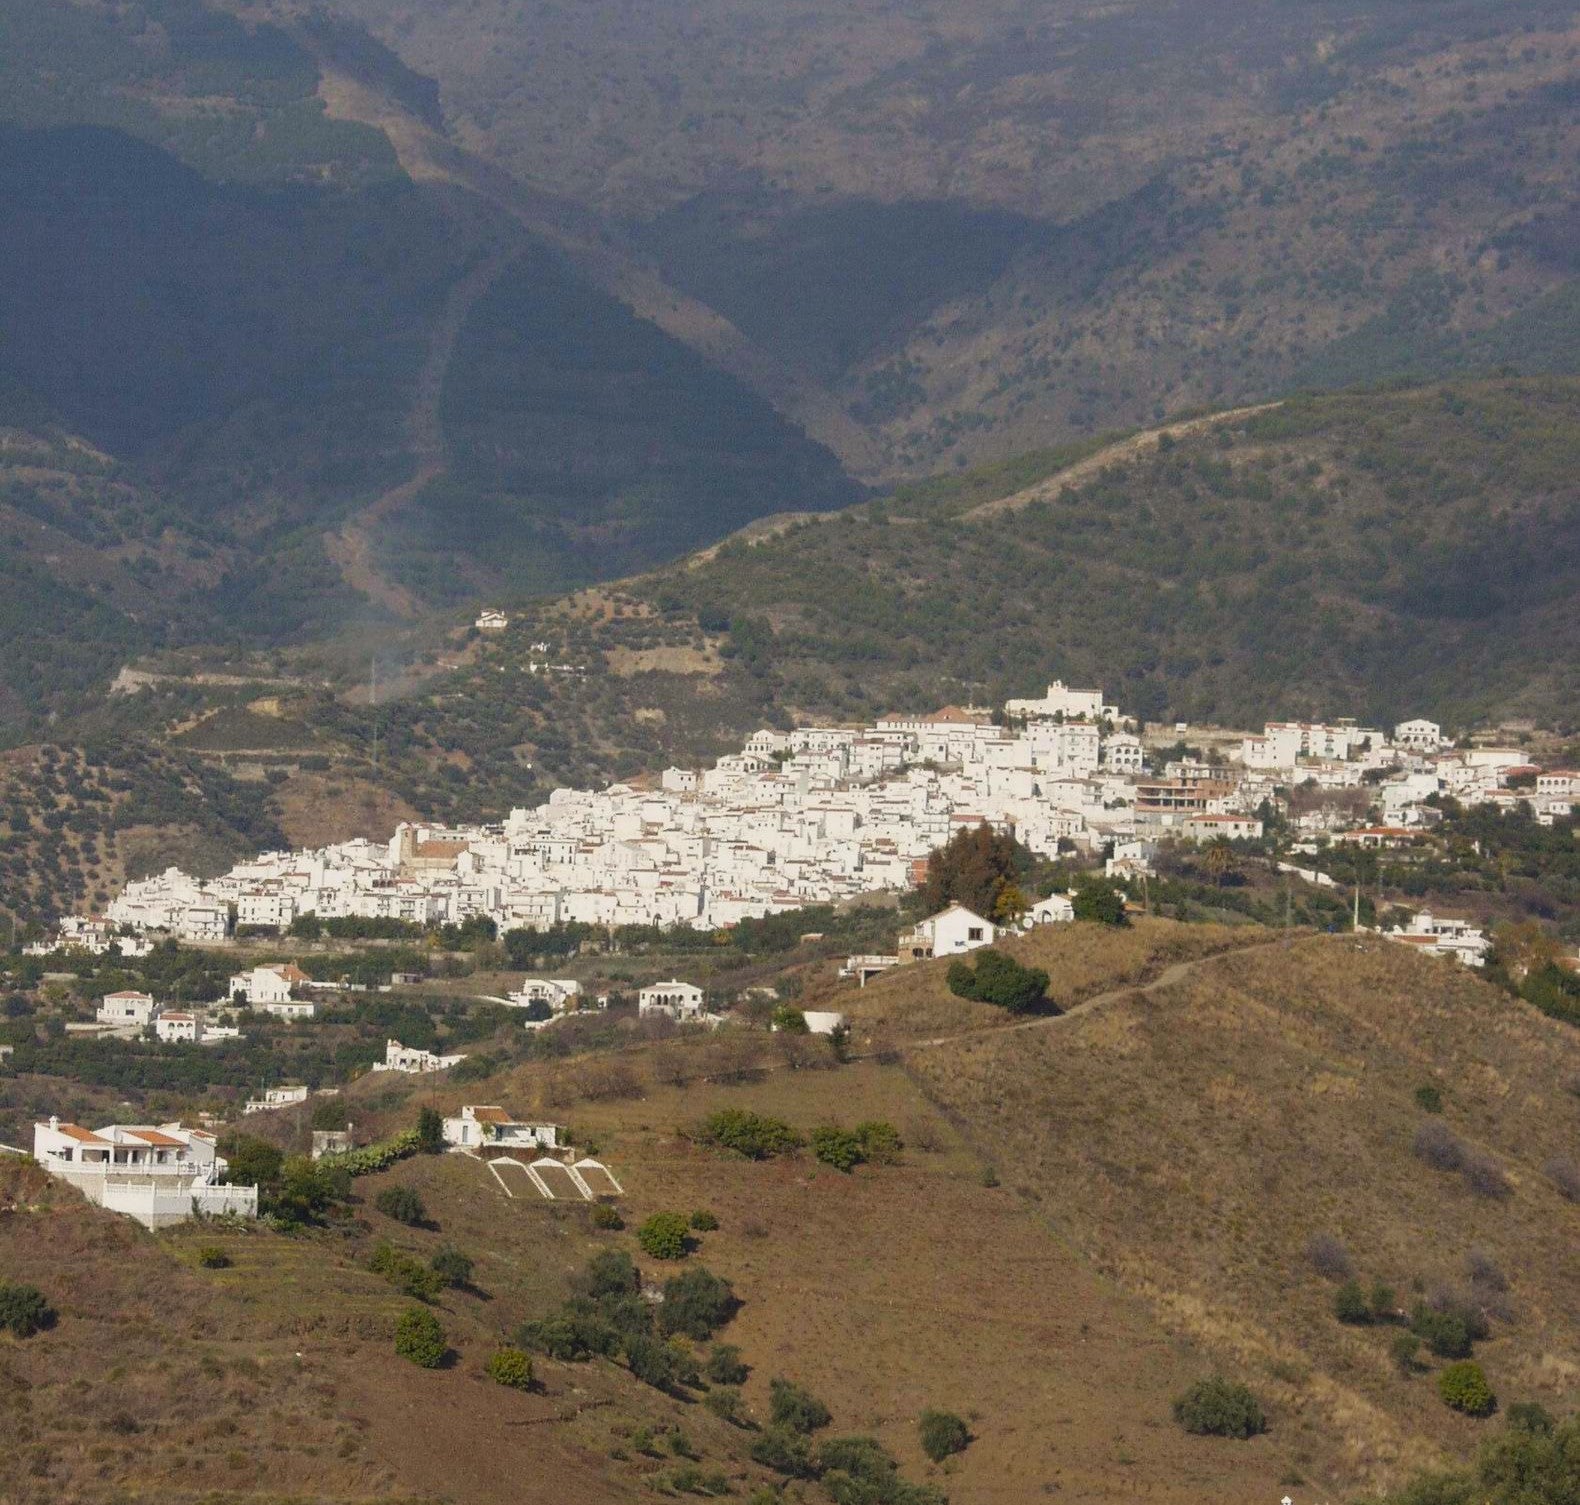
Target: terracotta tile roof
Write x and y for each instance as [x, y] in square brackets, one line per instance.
[491, 1115]
[155, 1137]
[81, 1135]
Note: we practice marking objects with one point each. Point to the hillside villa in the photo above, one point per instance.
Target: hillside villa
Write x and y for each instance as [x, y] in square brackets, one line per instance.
[158, 1176]
[489, 1127]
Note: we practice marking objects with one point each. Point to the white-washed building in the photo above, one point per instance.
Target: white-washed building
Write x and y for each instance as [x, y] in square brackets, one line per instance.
[158, 1175]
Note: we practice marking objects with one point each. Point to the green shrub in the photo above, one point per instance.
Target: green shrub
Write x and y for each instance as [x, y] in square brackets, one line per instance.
[1530, 1416]
[880, 1141]
[610, 1272]
[512, 1367]
[403, 1204]
[1464, 1387]
[651, 1360]
[1406, 1352]
[837, 1147]
[405, 1272]
[999, 979]
[1097, 900]
[724, 1401]
[212, 1257]
[704, 1221]
[451, 1266]
[784, 1450]
[1445, 1333]
[570, 1337]
[665, 1236]
[1350, 1304]
[790, 1021]
[375, 1157]
[696, 1304]
[749, 1134]
[1429, 1098]
[430, 1131]
[1384, 1301]
[791, 1406]
[725, 1366]
[23, 1310]
[943, 1434]
[1220, 1408]
[419, 1337]
[607, 1218]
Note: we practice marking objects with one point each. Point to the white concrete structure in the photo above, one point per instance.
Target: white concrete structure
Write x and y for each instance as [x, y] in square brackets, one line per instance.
[1420, 734]
[1064, 703]
[158, 1175]
[558, 993]
[275, 1097]
[822, 1021]
[681, 1001]
[489, 1127]
[1437, 936]
[126, 1008]
[176, 1026]
[491, 620]
[950, 932]
[1056, 909]
[398, 1057]
[268, 985]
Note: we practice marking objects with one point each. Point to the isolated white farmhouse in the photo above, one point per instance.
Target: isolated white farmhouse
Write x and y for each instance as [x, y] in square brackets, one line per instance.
[950, 932]
[159, 1176]
[559, 993]
[681, 1001]
[488, 1126]
[275, 1097]
[398, 1057]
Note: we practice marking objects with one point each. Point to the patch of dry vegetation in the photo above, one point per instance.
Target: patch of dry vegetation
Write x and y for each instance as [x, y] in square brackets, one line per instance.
[1194, 1141]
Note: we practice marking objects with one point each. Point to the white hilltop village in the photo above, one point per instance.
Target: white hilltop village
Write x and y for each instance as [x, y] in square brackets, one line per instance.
[822, 815]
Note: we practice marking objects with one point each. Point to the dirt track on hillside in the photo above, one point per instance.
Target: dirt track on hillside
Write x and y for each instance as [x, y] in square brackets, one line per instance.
[1126, 449]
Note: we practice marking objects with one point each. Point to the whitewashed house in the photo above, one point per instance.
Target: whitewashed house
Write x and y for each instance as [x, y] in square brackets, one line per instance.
[158, 1175]
[950, 932]
[1056, 909]
[491, 620]
[126, 1008]
[176, 1027]
[559, 993]
[487, 1126]
[275, 1097]
[266, 985]
[1437, 936]
[1420, 735]
[398, 1057]
[681, 1001]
